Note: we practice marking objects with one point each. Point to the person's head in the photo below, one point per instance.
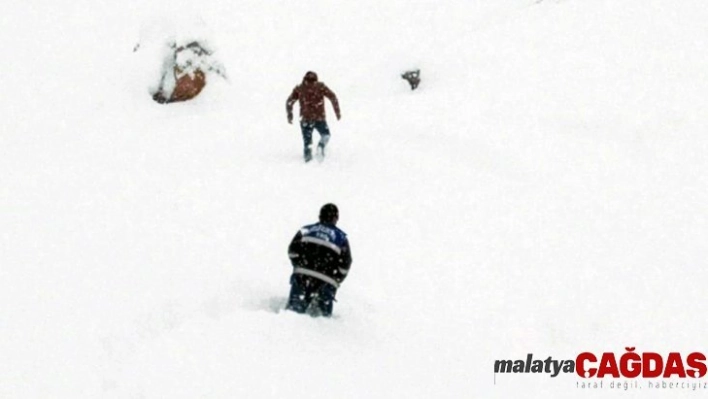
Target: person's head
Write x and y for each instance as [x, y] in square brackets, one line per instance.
[310, 77]
[329, 214]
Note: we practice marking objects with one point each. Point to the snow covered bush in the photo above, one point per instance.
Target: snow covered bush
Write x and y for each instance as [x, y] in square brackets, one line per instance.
[184, 72]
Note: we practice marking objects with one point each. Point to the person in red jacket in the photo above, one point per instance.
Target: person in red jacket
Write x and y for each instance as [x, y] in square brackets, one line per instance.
[310, 94]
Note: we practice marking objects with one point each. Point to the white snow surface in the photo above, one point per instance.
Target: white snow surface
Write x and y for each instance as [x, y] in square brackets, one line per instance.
[544, 191]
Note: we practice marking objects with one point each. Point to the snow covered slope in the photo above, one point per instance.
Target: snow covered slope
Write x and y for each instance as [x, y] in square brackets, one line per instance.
[543, 191]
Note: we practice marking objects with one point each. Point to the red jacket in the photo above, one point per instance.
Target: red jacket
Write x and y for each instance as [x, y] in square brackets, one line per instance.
[310, 94]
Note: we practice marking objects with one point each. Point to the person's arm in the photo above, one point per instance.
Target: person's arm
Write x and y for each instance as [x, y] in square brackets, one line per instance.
[294, 96]
[345, 261]
[333, 99]
[295, 250]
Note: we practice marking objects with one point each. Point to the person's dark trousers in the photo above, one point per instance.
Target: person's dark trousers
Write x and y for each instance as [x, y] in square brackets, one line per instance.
[302, 293]
[307, 127]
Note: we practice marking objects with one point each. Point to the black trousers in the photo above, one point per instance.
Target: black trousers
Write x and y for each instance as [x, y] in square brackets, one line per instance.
[308, 292]
[307, 127]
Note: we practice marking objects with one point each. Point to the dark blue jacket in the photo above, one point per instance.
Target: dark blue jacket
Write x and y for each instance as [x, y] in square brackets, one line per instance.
[322, 251]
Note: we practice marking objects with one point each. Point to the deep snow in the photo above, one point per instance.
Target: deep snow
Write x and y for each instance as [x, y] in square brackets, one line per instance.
[543, 191]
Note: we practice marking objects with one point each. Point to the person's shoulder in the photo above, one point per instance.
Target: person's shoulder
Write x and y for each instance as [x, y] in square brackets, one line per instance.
[324, 89]
[308, 227]
[340, 232]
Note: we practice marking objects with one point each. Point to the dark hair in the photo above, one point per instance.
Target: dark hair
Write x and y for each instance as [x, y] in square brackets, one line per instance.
[310, 77]
[329, 214]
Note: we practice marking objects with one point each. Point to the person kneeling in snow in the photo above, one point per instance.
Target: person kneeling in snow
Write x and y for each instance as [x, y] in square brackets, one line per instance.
[321, 259]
